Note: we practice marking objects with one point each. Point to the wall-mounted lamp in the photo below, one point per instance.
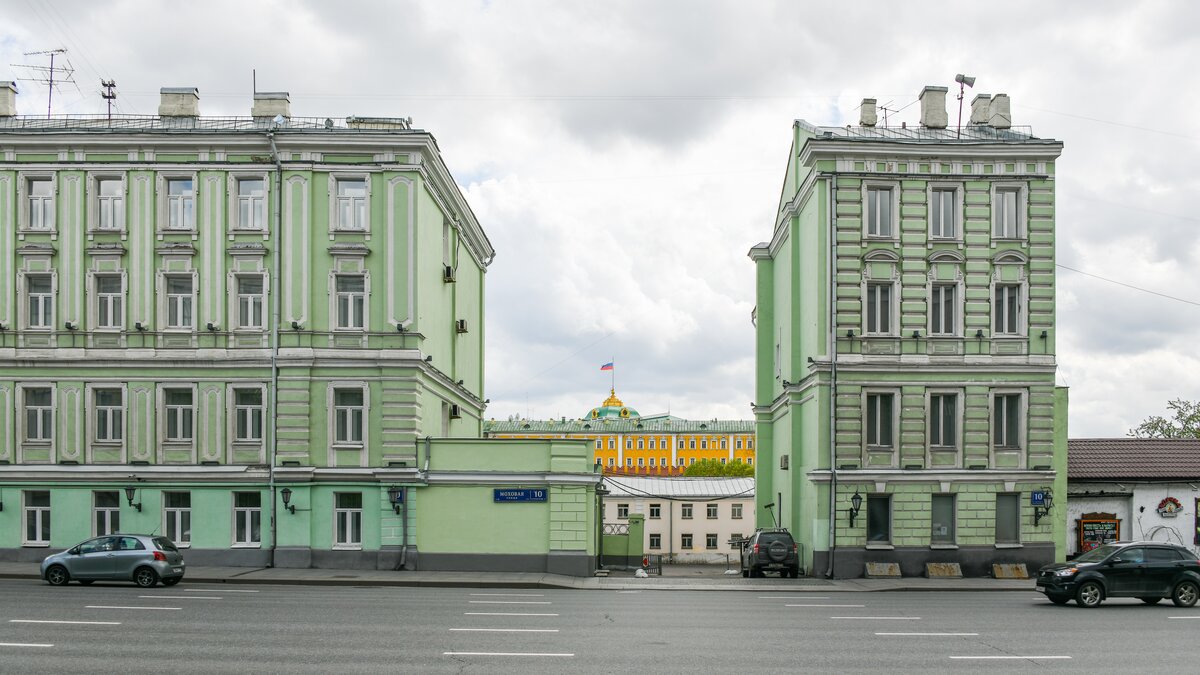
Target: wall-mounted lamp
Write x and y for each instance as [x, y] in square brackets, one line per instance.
[71, 325]
[850, 333]
[129, 492]
[1040, 512]
[916, 334]
[400, 328]
[396, 497]
[138, 325]
[979, 334]
[429, 359]
[855, 505]
[1044, 335]
[460, 382]
[295, 325]
[211, 326]
[286, 494]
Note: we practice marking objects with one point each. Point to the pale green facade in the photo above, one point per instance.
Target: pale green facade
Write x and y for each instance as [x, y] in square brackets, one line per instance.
[211, 310]
[905, 334]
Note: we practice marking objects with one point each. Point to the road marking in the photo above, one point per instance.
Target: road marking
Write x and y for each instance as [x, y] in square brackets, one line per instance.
[180, 597]
[217, 590]
[793, 597]
[85, 623]
[510, 595]
[502, 654]
[995, 658]
[1184, 617]
[503, 614]
[509, 602]
[124, 607]
[880, 618]
[930, 634]
[505, 630]
[629, 591]
[859, 605]
[25, 644]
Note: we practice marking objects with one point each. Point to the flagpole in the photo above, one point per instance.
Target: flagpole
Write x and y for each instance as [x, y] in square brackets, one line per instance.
[614, 375]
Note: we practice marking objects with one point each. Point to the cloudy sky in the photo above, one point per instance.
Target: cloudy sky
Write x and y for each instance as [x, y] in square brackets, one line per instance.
[623, 156]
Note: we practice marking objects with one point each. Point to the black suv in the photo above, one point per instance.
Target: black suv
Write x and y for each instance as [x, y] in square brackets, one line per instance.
[1146, 570]
[770, 549]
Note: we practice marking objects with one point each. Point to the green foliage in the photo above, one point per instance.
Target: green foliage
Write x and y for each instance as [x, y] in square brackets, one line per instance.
[1184, 424]
[711, 467]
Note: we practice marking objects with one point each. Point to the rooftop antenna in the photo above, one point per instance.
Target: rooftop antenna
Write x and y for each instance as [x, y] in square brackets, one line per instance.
[109, 95]
[963, 81]
[885, 110]
[49, 75]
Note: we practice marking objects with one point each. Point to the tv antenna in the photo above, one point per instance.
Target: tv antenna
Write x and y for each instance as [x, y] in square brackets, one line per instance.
[963, 81]
[51, 75]
[885, 110]
[109, 94]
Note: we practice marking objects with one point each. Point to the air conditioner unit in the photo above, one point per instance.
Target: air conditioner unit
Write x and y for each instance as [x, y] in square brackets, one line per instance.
[783, 461]
[448, 274]
[460, 325]
[455, 411]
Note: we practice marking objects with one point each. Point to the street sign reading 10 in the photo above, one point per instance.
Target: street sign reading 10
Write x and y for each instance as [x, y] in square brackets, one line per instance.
[519, 495]
[1037, 498]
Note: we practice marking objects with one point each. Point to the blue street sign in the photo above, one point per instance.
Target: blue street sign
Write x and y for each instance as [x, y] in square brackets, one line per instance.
[519, 495]
[1037, 498]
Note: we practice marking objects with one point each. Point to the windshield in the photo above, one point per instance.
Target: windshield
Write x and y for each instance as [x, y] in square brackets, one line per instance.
[1099, 553]
[165, 544]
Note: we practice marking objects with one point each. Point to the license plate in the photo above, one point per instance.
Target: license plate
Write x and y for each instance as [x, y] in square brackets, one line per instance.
[1040, 589]
[177, 569]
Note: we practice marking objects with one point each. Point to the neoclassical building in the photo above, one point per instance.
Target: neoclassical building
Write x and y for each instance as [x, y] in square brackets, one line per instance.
[624, 441]
[905, 399]
[263, 337]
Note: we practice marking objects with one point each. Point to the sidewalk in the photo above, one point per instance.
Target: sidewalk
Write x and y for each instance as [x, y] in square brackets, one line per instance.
[676, 577]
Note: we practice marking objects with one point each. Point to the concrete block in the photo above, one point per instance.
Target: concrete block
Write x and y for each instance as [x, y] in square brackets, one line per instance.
[943, 570]
[1010, 571]
[886, 570]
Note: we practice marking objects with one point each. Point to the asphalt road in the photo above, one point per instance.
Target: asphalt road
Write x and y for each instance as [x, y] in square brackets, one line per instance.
[323, 629]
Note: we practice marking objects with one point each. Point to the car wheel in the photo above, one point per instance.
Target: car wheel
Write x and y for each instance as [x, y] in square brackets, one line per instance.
[145, 577]
[1059, 599]
[1151, 601]
[795, 572]
[1186, 594]
[57, 576]
[171, 582]
[756, 572]
[1089, 594]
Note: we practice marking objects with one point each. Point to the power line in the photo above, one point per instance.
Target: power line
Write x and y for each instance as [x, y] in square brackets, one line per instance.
[1136, 288]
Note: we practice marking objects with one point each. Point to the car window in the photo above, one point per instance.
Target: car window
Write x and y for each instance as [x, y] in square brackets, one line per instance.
[130, 544]
[93, 545]
[165, 544]
[1163, 555]
[768, 537]
[1097, 554]
[1135, 554]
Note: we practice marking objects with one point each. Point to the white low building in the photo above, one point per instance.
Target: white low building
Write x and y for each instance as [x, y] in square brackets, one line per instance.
[1132, 489]
[687, 520]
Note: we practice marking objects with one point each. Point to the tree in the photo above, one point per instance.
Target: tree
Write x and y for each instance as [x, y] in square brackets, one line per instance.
[714, 468]
[1185, 424]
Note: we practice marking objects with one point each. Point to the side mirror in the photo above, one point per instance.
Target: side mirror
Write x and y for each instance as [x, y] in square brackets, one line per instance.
[1114, 561]
[74, 551]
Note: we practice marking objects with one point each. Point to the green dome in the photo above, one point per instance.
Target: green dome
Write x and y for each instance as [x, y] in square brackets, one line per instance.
[613, 409]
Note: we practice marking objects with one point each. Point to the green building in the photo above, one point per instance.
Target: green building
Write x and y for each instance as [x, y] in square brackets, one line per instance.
[262, 337]
[905, 337]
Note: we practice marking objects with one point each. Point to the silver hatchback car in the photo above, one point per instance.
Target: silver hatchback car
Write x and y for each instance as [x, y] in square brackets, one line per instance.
[141, 558]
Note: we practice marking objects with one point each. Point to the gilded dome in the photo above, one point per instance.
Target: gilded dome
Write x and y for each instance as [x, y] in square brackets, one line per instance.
[612, 408]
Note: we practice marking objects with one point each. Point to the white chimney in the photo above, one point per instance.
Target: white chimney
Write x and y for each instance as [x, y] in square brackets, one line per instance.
[933, 107]
[980, 107]
[179, 102]
[999, 113]
[8, 98]
[866, 115]
[271, 103]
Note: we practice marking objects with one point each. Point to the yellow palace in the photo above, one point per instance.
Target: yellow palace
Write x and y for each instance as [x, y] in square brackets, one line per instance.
[625, 441]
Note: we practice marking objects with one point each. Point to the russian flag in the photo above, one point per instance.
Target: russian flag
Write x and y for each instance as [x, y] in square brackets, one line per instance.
[607, 366]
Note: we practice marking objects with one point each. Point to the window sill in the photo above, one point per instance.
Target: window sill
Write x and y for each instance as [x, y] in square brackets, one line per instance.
[107, 443]
[348, 547]
[26, 230]
[179, 231]
[259, 545]
[344, 446]
[36, 544]
[1010, 546]
[943, 547]
[880, 547]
